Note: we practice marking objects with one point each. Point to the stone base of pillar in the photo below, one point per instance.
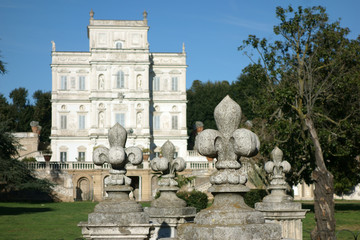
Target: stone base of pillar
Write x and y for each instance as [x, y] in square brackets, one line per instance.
[114, 231]
[166, 220]
[287, 214]
[117, 217]
[229, 218]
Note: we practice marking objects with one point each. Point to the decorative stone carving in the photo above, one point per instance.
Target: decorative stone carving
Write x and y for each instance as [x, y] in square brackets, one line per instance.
[228, 145]
[118, 217]
[229, 217]
[101, 84]
[277, 169]
[278, 207]
[53, 46]
[168, 166]
[168, 211]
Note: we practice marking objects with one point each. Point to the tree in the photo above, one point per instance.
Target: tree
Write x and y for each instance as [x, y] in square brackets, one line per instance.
[2, 67]
[308, 71]
[21, 110]
[202, 99]
[42, 113]
[15, 176]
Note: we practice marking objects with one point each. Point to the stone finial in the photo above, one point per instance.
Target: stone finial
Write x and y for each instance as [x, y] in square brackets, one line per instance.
[183, 48]
[91, 14]
[277, 169]
[145, 16]
[228, 144]
[168, 165]
[117, 156]
[53, 47]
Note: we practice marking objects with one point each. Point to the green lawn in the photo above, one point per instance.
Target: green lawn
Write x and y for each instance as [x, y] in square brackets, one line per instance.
[57, 221]
[347, 215]
[45, 221]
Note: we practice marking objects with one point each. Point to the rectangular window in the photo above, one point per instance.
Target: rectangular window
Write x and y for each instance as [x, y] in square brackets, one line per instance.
[120, 81]
[81, 157]
[156, 83]
[174, 122]
[81, 83]
[156, 122]
[63, 156]
[81, 122]
[174, 83]
[120, 118]
[63, 83]
[63, 120]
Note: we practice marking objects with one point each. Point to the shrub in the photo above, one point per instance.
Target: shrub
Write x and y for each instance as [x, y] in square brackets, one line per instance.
[28, 159]
[196, 199]
[254, 196]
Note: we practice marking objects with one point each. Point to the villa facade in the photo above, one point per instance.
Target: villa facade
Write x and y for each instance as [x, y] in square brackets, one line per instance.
[117, 80]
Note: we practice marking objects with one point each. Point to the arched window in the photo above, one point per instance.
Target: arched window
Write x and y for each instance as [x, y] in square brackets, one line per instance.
[118, 45]
[120, 81]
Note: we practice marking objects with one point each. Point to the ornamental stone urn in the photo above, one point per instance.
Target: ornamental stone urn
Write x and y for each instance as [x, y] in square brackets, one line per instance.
[228, 217]
[118, 216]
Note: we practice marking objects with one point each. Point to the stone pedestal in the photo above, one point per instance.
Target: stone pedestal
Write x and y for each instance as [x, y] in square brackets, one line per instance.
[278, 207]
[117, 217]
[167, 212]
[229, 218]
[289, 215]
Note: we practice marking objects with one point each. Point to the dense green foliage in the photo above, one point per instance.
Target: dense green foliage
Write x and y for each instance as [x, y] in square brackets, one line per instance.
[15, 178]
[202, 99]
[254, 196]
[196, 199]
[268, 95]
[2, 67]
[307, 75]
[20, 112]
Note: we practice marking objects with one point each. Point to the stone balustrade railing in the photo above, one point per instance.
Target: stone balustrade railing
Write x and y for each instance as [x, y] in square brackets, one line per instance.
[67, 165]
[196, 165]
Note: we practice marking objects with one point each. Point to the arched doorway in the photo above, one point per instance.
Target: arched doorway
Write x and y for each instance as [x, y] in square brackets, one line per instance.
[83, 190]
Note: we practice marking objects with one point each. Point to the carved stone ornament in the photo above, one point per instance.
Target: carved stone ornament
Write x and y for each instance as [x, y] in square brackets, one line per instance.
[278, 207]
[229, 217]
[118, 216]
[277, 169]
[228, 145]
[168, 166]
[117, 156]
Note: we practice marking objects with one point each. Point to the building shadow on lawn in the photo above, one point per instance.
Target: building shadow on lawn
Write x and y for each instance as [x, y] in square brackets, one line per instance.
[22, 210]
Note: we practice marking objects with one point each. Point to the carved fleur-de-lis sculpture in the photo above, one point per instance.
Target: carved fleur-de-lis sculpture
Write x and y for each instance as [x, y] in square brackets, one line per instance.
[117, 156]
[227, 144]
[277, 169]
[168, 165]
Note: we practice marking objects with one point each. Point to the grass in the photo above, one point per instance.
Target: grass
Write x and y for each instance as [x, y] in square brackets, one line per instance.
[47, 221]
[55, 221]
[347, 215]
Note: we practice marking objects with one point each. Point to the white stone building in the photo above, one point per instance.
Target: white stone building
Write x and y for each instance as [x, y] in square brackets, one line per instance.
[117, 80]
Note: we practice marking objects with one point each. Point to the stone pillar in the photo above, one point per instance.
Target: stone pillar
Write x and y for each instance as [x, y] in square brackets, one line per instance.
[229, 217]
[278, 207]
[118, 217]
[168, 211]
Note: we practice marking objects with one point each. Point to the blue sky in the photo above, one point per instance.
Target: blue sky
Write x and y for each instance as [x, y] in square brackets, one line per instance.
[211, 31]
